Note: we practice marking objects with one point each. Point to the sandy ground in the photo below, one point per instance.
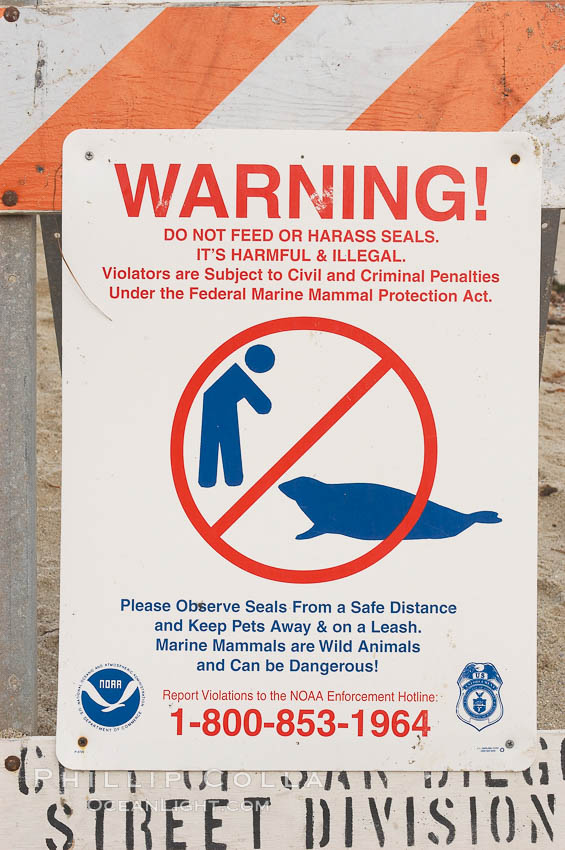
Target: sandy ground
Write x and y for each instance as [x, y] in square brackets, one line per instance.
[551, 583]
[551, 552]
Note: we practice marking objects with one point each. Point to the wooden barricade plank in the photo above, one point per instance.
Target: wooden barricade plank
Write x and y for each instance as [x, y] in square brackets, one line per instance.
[455, 66]
[477, 76]
[47, 805]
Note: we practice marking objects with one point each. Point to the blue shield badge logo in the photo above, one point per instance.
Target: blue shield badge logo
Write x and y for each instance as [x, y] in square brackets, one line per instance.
[479, 702]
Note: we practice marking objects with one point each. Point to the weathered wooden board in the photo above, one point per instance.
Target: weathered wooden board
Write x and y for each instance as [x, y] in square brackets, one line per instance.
[422, 66]
[46, 805]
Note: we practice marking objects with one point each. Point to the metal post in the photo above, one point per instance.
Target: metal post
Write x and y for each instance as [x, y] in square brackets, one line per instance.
[549, 233]
[18, 695]
[50, 225]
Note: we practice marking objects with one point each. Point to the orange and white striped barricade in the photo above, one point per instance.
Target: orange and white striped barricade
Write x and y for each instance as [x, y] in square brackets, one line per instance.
[380, 66]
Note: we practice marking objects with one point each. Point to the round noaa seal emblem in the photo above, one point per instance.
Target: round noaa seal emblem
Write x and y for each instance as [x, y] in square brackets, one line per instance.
[110, 697]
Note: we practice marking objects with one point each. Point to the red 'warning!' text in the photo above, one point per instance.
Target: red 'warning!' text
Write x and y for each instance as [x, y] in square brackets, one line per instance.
[347, 191]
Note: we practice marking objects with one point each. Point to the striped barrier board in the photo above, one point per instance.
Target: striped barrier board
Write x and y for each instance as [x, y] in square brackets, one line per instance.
[377, 66]
[44, 805]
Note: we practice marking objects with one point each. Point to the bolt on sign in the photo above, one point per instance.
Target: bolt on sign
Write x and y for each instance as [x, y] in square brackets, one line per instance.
[300, 441]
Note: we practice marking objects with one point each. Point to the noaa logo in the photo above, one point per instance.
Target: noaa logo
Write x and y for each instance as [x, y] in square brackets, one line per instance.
[110, 697]
[479, 702]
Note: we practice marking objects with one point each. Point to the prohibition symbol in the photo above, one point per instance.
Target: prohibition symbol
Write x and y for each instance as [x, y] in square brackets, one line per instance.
[213, 532]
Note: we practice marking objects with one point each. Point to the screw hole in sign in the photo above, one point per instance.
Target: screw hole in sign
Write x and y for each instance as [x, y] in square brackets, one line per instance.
[213, 536]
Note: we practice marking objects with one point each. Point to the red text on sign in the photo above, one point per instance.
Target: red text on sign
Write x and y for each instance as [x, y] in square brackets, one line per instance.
[439, 192]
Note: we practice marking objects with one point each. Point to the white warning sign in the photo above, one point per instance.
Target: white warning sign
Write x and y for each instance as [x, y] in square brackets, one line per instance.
[300, 447]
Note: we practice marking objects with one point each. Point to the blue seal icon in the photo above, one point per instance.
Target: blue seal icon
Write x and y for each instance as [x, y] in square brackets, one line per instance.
[479, 702]
[110, 696]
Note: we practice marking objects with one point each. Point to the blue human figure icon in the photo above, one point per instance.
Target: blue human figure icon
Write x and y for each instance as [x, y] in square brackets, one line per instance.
[220, 421]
